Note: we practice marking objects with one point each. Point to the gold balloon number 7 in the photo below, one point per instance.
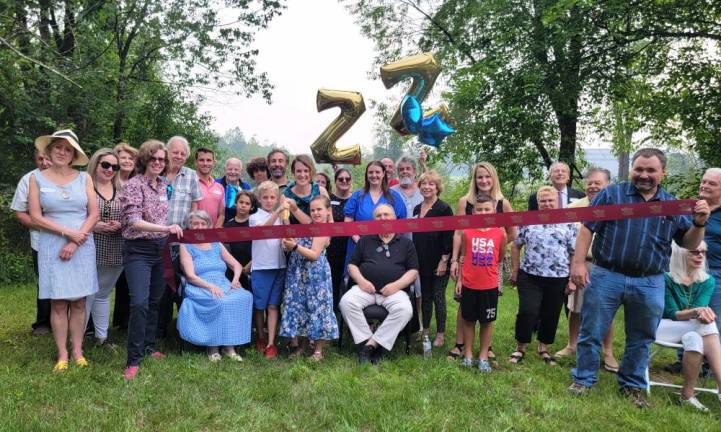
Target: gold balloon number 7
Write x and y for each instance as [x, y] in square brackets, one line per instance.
[422, 69]
[351, 106]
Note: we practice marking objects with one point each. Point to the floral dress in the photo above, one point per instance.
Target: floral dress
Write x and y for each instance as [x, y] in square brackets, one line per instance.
[308, 303]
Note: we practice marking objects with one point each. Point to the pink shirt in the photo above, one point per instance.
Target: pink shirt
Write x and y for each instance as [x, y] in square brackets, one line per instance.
[139, 200]
[213, 197]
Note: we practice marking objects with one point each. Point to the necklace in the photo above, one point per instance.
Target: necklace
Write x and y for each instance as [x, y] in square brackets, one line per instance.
[688, 294]
[64, 193]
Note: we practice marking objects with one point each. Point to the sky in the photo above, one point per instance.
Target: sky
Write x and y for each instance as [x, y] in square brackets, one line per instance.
[313, 44]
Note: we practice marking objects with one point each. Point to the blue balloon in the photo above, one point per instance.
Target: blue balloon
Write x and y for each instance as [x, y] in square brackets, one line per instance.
[412, 115]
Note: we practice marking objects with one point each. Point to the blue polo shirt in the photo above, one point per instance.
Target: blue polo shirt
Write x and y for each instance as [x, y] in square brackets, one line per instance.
[713, 239]
[639, 246]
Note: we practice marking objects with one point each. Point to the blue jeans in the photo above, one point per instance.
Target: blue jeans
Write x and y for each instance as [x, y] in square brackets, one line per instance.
[715, 302]
[143, 260]
[642, 299]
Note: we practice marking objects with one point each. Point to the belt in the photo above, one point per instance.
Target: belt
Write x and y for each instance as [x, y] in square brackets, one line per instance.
[626, 272]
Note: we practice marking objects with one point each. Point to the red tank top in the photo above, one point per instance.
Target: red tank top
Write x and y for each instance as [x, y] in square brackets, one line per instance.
[480, 262]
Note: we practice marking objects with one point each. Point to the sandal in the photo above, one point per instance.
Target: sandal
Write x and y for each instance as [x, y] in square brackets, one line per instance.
[516, 356]
[317, 356]
[454, 355]
[60, 366]
[81, 362]
[214, 357]
[548, 358]
[492, 357]
[298, 352]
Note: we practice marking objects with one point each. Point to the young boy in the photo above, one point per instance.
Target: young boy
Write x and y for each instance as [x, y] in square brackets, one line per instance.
[480, 253]
[268, 267]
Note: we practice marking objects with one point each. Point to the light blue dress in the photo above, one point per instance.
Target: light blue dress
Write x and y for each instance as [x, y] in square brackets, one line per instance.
[66, 205]
[205, 320]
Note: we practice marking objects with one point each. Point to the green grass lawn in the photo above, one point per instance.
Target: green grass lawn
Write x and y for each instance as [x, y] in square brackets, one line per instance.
[186, 392]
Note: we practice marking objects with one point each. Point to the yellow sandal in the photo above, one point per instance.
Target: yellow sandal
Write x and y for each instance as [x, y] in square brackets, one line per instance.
[81, 362]
[60, 366]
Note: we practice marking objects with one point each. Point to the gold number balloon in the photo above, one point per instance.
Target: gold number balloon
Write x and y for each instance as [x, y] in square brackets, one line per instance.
[422, 69]
[351, 106]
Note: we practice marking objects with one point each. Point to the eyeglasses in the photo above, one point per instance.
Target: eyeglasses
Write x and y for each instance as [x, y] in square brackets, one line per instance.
[156, 159]
[380, 248]
[697, 253]
[108, 165]
[169, 191]
[343, 179]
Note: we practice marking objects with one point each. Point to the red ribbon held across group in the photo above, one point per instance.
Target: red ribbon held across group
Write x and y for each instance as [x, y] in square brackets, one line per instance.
[445, 223]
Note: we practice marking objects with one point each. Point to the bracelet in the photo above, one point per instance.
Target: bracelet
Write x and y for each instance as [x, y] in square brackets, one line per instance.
[698, 225]
[454, 261]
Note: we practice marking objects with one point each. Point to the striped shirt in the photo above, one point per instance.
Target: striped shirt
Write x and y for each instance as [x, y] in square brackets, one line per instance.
[639, 246]
[184, 189]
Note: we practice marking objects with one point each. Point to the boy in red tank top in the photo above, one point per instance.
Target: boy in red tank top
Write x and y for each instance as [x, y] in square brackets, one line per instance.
[480, 254]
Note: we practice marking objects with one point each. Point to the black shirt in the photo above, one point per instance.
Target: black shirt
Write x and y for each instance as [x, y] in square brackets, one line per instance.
[338, 245]
[382, 267]
[499, 207]
[241, 249]
[431, 245]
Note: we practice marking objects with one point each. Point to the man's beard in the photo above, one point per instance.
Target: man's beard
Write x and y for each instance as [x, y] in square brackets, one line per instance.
[405, 181]
[277, 172]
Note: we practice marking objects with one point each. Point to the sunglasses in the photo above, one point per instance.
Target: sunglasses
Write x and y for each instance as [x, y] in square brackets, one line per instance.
[343, 179]
[697, 253]
[156, 159]
[108, 165]
[380, 248]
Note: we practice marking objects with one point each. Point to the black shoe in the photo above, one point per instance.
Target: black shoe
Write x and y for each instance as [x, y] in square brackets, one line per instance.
[378, 354]
[674, 368]
[636, 396]
[365, 354]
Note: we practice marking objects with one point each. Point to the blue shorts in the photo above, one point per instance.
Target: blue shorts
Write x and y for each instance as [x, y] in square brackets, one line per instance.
[267, 287]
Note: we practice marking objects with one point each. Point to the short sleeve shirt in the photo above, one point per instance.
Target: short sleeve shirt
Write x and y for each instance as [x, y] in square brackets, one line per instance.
[548, 249]
[213, 194]
[480, 261]
[638, 246]
[381, 265]
[267, 254]
[360, 206]
[20, 203]
[184, 190]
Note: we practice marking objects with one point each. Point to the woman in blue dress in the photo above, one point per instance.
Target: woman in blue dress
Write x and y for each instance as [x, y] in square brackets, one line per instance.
[63, 207]
[361, 204]
[215, 312]
[308, 304]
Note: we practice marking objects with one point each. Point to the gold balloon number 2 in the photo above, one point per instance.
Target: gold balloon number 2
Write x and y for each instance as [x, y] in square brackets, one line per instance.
[351, 106]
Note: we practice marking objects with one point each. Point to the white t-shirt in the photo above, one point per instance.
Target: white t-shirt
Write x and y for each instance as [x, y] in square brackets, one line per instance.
[267, 254]
[20, 204]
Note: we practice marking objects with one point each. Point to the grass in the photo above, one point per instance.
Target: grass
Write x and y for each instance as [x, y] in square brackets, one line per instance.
[187, 393]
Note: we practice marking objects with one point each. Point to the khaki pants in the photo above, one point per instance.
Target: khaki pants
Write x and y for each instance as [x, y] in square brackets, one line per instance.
[400, 311]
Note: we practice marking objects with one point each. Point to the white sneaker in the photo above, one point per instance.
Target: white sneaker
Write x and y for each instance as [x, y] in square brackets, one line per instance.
[692, 401]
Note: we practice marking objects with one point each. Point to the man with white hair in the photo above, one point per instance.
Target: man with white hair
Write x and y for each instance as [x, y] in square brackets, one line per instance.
[183, 196]
[233, 183]
[559, 174]
[710, 190]
[390, 170]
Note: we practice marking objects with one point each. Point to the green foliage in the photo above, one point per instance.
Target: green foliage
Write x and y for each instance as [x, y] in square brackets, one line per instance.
[15, 255]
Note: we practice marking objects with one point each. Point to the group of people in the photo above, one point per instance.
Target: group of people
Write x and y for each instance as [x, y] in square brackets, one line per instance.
[107, 227]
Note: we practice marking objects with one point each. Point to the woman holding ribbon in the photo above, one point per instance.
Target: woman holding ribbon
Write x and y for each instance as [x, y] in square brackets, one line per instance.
[302, 189]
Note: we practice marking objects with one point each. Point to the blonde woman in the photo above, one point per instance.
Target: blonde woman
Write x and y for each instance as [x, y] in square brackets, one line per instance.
[62, 204]
[484, 179]
[688, 319]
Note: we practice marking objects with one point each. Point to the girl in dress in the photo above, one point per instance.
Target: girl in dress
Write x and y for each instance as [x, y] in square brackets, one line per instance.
[308, 304]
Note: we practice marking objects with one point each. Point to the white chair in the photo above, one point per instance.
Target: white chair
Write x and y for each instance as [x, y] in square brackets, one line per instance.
[659, 345]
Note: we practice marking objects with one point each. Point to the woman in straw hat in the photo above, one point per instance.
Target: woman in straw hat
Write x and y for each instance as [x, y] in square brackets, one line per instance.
[63, 205]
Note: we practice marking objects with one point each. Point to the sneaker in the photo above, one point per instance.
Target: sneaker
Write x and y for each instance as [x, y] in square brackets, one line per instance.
[577, 389]
[674, 368]
[157, 355]
[484, 366]
[271, 352]
[693, 402]
[365, 353]
[636, 396]
[566, 352]
[40, 331]
[130, 372]
[466, 363]
[378, 354]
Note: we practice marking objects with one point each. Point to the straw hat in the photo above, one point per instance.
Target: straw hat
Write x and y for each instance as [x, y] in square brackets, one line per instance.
[42, 142]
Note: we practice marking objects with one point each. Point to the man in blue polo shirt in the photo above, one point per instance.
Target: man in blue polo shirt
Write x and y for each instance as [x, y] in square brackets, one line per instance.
[710, 190]
[630, 256]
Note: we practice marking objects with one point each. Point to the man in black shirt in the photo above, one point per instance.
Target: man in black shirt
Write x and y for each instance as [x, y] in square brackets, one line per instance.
[383, 266]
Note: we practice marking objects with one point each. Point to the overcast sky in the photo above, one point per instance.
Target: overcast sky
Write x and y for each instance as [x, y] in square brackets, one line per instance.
[313, 44]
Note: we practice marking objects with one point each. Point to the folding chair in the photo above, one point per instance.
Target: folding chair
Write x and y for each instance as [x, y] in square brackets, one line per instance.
[660, 345]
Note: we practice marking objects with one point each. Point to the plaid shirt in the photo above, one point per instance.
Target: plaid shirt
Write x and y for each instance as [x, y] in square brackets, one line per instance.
[109, 247]
[184, 189]
[139, 200]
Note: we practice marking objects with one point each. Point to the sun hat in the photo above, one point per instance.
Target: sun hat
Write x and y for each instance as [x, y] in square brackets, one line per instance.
[42, 142]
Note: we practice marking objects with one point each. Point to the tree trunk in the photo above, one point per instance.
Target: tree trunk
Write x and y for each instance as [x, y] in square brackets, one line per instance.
[119, 121]
[623, 163]
[567, 150]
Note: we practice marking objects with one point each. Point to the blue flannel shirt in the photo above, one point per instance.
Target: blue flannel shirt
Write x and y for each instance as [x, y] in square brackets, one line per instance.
[635, 247]
[713, 239]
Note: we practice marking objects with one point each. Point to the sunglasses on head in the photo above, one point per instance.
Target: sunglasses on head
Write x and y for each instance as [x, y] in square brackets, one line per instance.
[108, 165]
[343, 179]
[380, 248]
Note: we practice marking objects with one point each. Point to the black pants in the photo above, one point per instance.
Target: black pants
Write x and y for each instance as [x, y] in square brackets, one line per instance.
[143, 260]
[337, 272]
[433, 293]
[121, 309]
[539, 302]
[42, 317]
[169, 297]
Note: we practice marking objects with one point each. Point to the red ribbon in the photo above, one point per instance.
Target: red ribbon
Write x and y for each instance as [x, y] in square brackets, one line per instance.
[445, 223]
